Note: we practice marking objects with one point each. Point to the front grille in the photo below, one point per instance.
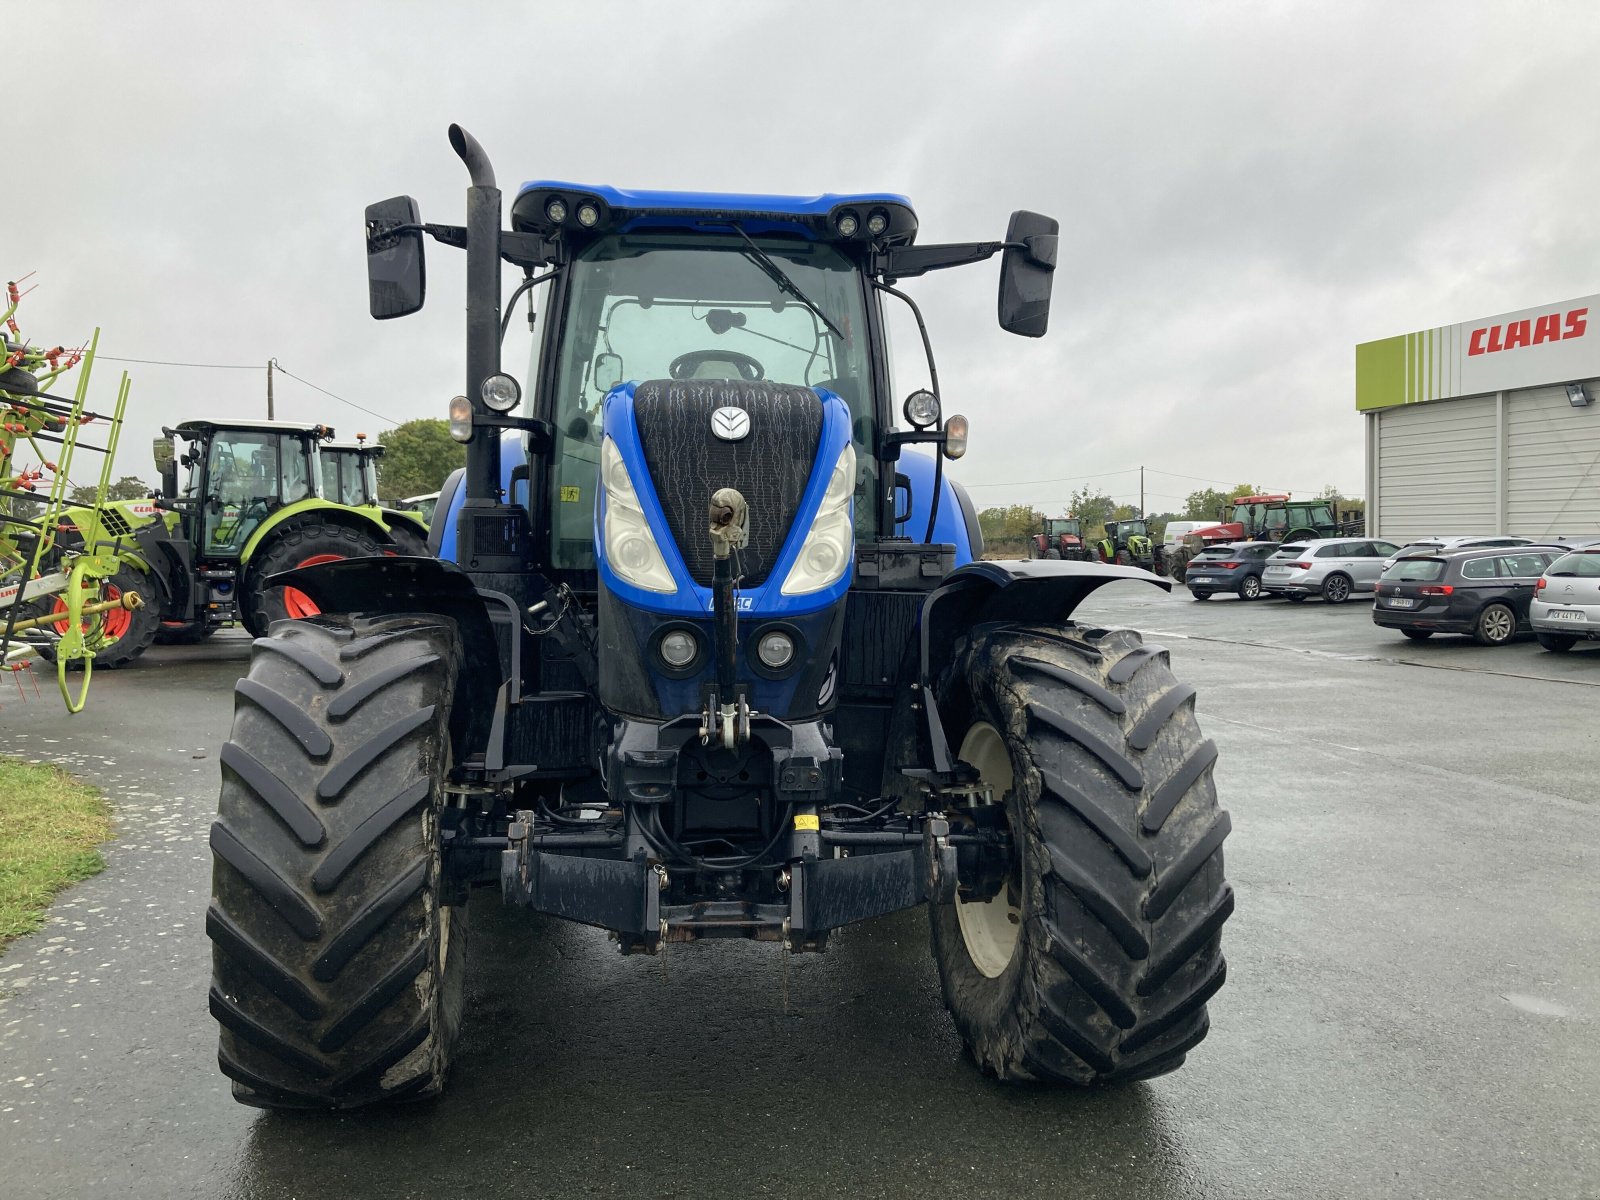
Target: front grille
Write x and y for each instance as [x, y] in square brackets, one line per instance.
[770, 465]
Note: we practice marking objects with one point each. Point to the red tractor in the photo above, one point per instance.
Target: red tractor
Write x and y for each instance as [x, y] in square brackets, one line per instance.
[1273, 518]
[1062, 537]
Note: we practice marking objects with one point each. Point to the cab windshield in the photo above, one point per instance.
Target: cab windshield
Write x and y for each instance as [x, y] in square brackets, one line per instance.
[1059, 527]
[681, 306]
[250, 474]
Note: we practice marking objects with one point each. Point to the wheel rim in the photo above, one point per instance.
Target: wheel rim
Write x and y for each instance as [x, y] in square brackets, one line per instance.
[295, 602]
[113, 624]
[1338, 590]
[1497, 624]
[990, 928]
[1252, 587]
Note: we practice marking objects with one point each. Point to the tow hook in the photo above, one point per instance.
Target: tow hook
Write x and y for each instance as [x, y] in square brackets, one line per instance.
[729, 720]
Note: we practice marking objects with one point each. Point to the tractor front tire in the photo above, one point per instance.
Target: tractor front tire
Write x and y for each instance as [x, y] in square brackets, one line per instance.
[1094, 962]
[337, 959]
[1052, 554]
[302, 545]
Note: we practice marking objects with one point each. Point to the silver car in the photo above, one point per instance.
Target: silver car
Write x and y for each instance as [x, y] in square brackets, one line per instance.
[1333, 568]
[1436, 545]
[1566, 600]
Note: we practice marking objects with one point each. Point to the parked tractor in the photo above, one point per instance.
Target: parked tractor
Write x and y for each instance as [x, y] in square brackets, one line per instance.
[259, 498]
[350, 477]
[1128, 543]
[1061, 537]
[709, 656]
[1274, 517]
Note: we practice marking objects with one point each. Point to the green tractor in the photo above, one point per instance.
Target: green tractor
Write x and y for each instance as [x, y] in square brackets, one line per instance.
[350, 477]
[260, 497]
[1128, 543]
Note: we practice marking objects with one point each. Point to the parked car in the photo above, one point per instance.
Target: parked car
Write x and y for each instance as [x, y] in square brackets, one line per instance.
[1426, 546]
[1484, 592]
[1333, 568]
[1235, 567]
[1566, 600]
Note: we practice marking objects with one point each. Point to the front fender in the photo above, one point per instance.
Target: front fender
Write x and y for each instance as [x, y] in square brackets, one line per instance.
[365, 515]
[1039, 592]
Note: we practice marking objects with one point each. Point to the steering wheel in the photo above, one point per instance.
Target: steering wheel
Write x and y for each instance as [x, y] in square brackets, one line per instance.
[685, 365]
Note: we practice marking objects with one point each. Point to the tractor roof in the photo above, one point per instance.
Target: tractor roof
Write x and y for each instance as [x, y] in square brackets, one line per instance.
[817, 217]
[204, 427]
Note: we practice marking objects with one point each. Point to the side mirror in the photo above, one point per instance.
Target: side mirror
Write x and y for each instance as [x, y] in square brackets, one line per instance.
[1027, 272]
[607, 371]
[169, 479]
[902, 498]
[396, 279]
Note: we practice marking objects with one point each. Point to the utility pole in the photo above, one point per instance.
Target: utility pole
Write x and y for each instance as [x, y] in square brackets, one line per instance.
[269, 389]
[1141, 469]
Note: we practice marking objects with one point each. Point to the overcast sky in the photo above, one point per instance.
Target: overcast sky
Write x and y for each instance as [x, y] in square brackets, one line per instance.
[1245, 190]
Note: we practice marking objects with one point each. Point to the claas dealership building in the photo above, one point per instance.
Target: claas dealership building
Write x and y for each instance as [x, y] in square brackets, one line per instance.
[1488, 426]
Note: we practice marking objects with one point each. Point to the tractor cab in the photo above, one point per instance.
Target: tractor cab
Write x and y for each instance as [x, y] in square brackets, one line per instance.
[349, 473]
[239, 474]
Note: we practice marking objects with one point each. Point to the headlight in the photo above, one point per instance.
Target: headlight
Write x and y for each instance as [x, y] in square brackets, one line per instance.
[825, 554]
[461, 418]
[922, 409]
[501, 393]
[678, 648]
[630, 546]
[775, 650]
[556, 210]
[588, 215]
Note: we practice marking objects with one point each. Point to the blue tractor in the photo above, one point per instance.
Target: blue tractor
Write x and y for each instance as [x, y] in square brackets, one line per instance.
[710, 651]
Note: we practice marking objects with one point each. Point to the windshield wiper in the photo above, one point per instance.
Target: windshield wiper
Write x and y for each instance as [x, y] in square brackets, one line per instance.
[776, 273]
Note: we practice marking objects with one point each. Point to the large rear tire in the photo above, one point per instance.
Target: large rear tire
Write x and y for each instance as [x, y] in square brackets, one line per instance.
[407, 542]
[300, 545]
[337, 964]
[1094, 962]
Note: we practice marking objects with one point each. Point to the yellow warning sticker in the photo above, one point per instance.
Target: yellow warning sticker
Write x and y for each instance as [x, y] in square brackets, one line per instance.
[570, 495]
[807, 821]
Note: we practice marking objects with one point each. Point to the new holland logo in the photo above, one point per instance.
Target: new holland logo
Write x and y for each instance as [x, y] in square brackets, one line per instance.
[730, 424]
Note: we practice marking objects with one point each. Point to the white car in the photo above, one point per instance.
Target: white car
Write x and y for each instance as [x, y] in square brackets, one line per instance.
[1333, 568]
[1447, 544]
[1566, 600]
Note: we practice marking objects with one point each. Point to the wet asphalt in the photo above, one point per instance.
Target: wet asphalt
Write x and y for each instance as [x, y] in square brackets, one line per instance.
[1412, 1006]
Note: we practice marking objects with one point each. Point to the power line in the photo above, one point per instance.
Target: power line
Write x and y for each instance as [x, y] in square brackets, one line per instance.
[333, 395]
[1061, 479]
[159, 362]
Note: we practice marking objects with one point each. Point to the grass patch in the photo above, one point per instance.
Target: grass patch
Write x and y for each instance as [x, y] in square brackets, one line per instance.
[50, 826]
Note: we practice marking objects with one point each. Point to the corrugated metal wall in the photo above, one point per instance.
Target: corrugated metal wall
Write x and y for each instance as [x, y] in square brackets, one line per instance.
[1436, 468]
[1552, 471]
